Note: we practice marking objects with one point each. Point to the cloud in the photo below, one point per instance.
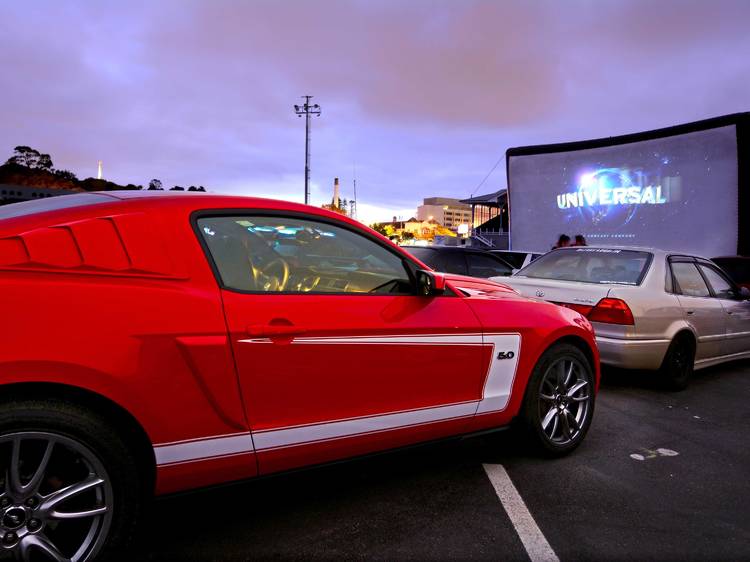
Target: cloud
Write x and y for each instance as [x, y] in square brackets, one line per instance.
[422, 97]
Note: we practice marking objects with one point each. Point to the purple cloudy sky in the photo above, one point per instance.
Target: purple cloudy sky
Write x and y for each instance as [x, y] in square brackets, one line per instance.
[424, 96]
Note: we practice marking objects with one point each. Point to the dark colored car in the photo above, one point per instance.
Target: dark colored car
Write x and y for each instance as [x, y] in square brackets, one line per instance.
[518, 260]
[462, 261]
[737, 267]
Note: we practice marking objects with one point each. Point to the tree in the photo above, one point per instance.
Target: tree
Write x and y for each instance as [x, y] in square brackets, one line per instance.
[155, 185]
[65, 175]
[177, 188]
[44, 162]
[30, 158]
[380, 228]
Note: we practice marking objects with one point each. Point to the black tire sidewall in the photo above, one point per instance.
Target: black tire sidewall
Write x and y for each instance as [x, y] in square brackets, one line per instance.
[673, 379]
[93, 432]
[530, 411]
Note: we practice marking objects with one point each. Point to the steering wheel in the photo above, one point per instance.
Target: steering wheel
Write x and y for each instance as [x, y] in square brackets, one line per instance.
[264, 277]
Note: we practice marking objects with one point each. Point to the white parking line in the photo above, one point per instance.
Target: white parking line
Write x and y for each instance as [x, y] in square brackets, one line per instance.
[532, 538]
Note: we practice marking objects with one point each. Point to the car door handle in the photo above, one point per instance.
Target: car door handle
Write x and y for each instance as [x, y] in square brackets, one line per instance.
[274, 330]
[690, 312]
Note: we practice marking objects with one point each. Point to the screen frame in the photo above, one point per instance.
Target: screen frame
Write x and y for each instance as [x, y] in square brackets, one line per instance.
[741, 121]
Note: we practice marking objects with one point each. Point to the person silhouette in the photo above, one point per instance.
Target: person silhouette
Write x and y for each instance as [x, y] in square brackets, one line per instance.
[562, 242]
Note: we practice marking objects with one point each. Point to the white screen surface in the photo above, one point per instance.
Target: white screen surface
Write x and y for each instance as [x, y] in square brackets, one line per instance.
[675, 193]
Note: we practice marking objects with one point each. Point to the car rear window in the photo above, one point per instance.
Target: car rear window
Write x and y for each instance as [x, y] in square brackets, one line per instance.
[591, 265]
[24, 208]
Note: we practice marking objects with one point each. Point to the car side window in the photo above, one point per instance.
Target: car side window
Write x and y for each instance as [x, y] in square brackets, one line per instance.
[689, 281]
[454, 262]
[486, 266]
[299, 255]
[723, 289]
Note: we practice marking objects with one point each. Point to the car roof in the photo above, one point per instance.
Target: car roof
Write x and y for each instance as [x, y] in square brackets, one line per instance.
[450, 248]
[187, 201]
[658, 253]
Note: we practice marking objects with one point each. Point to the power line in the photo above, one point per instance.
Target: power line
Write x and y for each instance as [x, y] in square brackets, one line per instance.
[481, 183]
[306, 109]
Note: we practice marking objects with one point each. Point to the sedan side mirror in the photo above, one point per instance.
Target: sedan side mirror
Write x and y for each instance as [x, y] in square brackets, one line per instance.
[744, 293]
[429, 283]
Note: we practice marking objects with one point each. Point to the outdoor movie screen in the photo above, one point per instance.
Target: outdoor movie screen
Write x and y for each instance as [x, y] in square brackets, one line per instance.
[674, 193]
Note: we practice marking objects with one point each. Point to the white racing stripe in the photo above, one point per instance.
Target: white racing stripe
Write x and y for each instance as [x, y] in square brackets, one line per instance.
[501, 372]
[408, 339]
[528, 531]
[275, 438]
[203, 448]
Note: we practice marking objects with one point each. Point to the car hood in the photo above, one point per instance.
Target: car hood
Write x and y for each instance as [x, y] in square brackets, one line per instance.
[474, 286]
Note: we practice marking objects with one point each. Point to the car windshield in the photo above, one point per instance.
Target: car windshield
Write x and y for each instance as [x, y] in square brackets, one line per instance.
[591, 265]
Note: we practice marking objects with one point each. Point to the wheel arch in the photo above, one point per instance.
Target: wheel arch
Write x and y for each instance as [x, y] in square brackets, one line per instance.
[686, 332]
[582, 345]
[122, 420]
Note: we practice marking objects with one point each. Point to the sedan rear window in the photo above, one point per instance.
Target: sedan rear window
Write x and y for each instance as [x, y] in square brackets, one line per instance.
[591, 265]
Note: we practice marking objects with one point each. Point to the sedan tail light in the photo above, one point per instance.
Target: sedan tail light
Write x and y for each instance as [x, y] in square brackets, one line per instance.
[612, 311]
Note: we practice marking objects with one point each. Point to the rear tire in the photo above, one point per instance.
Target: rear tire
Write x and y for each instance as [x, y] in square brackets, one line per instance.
[677, 367]
[72, 483]
[559, 402]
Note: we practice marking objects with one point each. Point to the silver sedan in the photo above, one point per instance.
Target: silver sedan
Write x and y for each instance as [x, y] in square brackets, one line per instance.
[650, 309]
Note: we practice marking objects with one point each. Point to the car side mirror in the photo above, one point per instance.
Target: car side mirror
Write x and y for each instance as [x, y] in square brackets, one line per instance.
[429, 283]
[744, 293]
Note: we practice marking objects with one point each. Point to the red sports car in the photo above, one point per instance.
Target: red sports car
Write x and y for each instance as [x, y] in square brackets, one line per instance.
[157, 343]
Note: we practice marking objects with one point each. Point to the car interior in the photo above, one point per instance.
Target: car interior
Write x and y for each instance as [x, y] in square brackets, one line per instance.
[278, 254]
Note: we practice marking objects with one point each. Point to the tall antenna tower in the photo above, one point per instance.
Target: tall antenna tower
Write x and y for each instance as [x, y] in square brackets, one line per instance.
[353, 204]
[307, 110]
[99, 171]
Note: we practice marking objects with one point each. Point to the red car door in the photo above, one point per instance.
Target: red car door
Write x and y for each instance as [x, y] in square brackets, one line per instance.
[336, 354]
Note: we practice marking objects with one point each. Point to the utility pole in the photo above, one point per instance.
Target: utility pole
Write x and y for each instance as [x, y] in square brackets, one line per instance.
[307, 110]
[353, 205]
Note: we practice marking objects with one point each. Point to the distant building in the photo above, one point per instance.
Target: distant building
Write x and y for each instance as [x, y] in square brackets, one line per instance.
[413, 229]
[11, 193]
[450, 213]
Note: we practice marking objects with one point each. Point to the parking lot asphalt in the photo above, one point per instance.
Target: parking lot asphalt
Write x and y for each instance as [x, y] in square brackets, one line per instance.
[660, 476]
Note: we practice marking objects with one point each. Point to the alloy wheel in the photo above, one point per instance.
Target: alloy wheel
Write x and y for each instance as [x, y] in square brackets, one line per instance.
[55, 498]
[565, 400]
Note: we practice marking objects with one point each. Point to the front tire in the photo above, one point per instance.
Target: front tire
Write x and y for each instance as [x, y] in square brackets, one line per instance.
[69, 485]
[677, 367]
[559, 402]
